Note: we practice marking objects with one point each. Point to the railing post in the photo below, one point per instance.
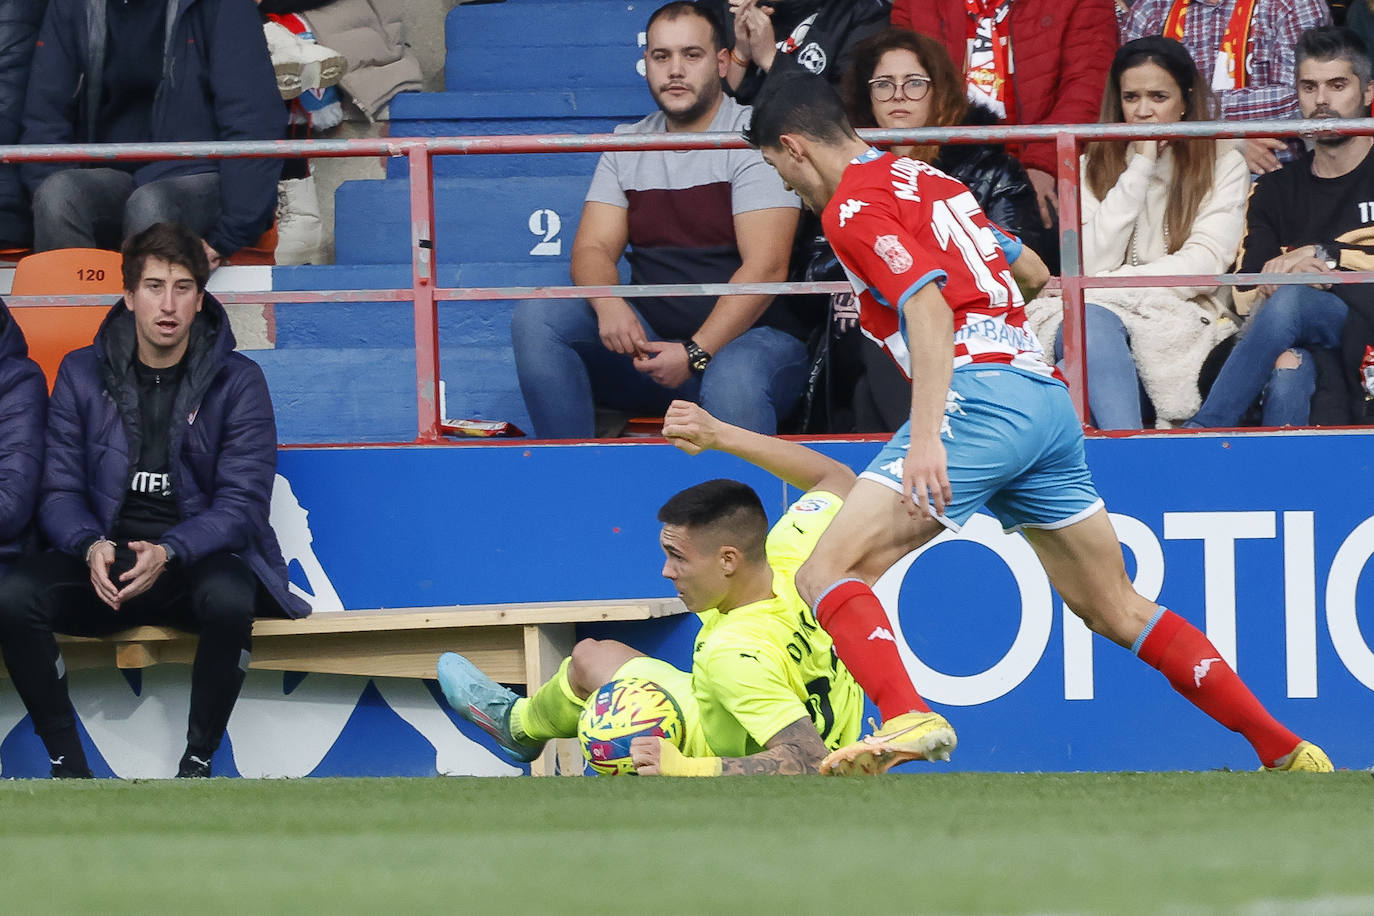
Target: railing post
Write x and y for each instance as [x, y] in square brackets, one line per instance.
[424, 275]
[1071, 275]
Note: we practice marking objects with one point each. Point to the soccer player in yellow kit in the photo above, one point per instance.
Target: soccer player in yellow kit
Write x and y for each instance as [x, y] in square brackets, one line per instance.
[766, 693]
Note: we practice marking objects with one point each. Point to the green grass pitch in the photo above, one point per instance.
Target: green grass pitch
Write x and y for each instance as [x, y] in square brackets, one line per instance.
[1245, 843]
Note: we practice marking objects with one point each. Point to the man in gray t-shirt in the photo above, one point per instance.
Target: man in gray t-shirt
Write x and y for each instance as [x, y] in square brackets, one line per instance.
[694, 216]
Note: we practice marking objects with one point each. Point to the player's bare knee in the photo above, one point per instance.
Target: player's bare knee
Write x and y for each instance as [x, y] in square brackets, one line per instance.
[1119, 620]
[1288, 359]
[812, 580]
[585, 665]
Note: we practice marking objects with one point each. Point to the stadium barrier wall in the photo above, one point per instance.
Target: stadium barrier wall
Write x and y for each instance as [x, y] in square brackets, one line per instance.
[1265, 540]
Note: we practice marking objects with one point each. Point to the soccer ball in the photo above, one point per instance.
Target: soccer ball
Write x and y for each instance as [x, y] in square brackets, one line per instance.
[621, 711]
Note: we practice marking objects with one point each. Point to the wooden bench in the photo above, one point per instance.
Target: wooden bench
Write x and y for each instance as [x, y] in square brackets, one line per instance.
[512, 643]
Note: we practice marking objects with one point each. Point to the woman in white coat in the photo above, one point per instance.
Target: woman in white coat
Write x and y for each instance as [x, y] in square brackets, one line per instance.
[1154, 207]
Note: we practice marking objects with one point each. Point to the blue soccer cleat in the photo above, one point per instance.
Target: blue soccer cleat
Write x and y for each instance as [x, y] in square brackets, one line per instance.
[484, 703]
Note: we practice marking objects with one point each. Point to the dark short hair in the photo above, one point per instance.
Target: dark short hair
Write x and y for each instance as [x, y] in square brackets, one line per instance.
[679, 8]
[731, 507]
[170, 242]
[1333, 42]
[798, 104]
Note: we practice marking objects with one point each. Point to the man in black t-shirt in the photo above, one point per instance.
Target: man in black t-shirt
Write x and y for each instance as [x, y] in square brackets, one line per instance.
[1315, 216]
[161, 454]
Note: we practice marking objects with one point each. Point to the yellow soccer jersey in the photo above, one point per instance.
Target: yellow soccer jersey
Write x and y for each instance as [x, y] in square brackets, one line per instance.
[763, 666]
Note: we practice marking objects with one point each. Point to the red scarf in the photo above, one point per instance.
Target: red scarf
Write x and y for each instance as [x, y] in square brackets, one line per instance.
[1230, 71]
[995, 83]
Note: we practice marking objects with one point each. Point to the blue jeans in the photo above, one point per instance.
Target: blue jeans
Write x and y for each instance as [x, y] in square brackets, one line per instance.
[565, 371]
[1295, 317]
[1114, 393]
[100, 208]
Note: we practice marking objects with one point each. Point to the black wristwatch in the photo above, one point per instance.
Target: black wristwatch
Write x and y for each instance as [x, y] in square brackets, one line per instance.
[171, 555]
[697, 358]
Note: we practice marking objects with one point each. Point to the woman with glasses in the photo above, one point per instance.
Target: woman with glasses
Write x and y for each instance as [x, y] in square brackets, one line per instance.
[900, 79]
[1154, 207]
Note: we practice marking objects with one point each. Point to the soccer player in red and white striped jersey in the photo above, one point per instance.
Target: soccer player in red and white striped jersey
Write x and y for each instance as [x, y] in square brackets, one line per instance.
[991, 426]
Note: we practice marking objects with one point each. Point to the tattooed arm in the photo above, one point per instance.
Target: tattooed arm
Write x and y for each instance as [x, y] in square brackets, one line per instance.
[795, 749]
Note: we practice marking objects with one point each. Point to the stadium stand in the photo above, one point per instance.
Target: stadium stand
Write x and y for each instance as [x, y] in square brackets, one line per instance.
[514, 643]
[520, 67]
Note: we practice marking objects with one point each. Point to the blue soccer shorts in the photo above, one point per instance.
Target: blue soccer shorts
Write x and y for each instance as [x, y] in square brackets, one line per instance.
[1013, 444]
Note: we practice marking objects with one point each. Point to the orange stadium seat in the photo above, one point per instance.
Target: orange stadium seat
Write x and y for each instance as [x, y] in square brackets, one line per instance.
[54, 331]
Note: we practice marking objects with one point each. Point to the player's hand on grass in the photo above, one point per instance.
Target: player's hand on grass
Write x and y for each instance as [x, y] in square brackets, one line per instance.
[150, 560]
[925, 478]
[646, 754]
[660, 757]
[664, 361]
[619, 327]
[99, 558]
[689, 427]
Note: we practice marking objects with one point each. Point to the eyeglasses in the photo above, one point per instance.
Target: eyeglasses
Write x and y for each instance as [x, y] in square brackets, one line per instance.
[914, 88]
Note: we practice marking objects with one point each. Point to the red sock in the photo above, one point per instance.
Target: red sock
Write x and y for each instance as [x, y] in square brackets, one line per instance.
[1194, 667]
[856, 621]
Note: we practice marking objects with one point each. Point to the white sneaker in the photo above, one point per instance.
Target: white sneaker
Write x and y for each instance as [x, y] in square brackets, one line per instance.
[300, 231]
[321, 67]
[300, 63]
[286, 62]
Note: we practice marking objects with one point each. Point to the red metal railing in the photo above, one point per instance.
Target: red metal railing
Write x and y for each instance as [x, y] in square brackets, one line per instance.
[425, 295]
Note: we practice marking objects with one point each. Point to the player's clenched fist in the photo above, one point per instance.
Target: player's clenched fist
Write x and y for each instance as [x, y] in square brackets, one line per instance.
[659, 757]
[689, 427]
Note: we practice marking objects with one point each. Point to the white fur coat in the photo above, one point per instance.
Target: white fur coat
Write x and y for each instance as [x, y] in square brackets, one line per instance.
[1171, 329]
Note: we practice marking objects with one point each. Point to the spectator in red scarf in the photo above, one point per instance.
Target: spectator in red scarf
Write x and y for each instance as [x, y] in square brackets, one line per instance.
[1030, 61]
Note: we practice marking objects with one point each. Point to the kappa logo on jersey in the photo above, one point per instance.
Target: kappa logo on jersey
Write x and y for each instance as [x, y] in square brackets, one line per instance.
[1200, 670]
[850, 209]
[893, 253]
[881, 633]
[811, 504]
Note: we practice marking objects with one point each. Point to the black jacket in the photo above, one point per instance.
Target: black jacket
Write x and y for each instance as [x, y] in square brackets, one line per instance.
[1340, 398]
[822, 47]
[998, 181]
[223, 454]
[19, 21]
[217, 84]
[23, 413]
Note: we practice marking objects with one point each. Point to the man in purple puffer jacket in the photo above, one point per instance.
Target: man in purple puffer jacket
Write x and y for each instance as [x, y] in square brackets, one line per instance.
[161, 453]
[23, 407]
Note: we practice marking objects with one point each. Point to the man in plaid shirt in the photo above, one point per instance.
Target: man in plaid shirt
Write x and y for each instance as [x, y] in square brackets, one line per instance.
[1245, 47]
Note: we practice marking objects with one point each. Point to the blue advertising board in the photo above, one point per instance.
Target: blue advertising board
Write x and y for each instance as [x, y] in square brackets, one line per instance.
[1263, 540]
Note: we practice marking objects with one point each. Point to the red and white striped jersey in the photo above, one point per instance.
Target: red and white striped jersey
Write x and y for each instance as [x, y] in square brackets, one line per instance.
[898, 224]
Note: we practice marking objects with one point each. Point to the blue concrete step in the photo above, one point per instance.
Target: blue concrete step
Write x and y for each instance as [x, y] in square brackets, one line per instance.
[461, 114]
[545, 272]
[545, 45]
[528, 220]
[379, 325]
[368, 394]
